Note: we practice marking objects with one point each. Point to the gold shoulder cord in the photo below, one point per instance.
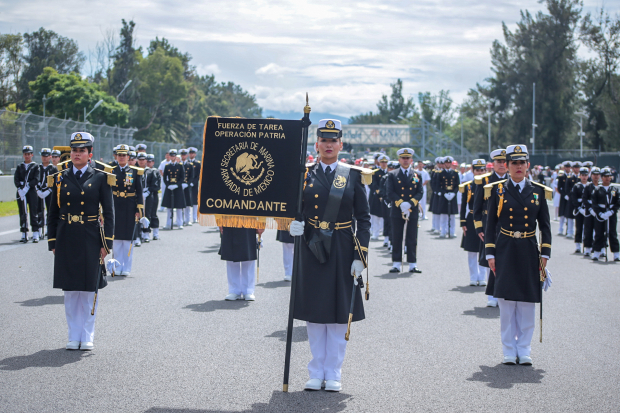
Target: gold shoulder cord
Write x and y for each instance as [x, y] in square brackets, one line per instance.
[500, 191]
[58, 181]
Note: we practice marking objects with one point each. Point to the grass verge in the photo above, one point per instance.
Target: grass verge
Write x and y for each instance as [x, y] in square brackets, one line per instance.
[8, 208]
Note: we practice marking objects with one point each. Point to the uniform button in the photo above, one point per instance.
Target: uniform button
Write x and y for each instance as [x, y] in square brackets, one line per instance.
[526, 225]
[316, 207]
[398, 182]
[511, 209]
[316, 195]
[315, 217]
[402, 187]
[68, 193]
[402, 194]
[68, 203]
[83, 204]
[505, 200]
[510, 224]
[410, 188]
[511, 217]
[311, 185]
[82, 213]
[525, 217]
[82, 192]
[532, 201]
[525, 209]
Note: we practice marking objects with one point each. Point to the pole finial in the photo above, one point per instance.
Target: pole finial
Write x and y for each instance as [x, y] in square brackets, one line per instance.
[307, 107]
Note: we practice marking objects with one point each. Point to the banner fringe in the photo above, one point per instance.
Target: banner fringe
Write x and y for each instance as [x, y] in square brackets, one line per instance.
[242, 221]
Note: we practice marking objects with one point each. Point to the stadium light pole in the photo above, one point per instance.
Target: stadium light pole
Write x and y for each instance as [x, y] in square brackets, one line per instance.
[96, 106]
[489, 126]
[124, 87]
[581, 114]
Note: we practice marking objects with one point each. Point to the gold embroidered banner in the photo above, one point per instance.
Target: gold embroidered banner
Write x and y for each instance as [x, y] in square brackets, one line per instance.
[250, 172]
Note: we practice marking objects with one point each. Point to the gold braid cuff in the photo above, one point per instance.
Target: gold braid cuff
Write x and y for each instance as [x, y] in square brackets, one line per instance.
[477, 224]
[397, 203]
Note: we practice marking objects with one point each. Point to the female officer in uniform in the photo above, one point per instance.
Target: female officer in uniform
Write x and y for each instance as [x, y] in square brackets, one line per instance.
[516, 205]
[76, 239]
[333, 249]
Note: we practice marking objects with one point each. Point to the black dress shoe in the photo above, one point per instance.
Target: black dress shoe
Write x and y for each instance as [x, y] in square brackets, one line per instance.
[416, 270]
[616, 259]
[394, 269]
[594, 259]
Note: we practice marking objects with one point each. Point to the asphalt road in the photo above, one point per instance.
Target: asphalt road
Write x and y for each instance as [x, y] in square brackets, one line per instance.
[166, 341]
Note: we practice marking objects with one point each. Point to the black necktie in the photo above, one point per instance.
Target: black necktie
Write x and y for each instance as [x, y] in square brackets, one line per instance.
[406, 176]
[78, 174]
[329, 174]
[328, 170]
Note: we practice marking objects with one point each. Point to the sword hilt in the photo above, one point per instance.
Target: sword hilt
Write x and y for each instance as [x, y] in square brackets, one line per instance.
[348, 333]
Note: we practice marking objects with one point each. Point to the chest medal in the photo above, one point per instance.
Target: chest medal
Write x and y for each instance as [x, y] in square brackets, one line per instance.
[536, 199]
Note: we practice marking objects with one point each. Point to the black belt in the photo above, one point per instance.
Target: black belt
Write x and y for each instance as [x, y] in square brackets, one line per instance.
[329, 225]
[78, 218]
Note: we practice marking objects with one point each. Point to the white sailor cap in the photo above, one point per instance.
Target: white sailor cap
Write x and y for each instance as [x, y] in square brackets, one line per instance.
[588, 164]
[498, 154]
[192, 149]
[150, 157]
[45, 152]
[448, 159]
[383, 158]
[517, 153]
[172, 152]
[140, 146]
[595, 170]
[141, 155]
[328, 127]
[567, 163]
[392, 164]
[479, 164]
[606, 172]
[56, 152]
[81, 140]
[122, 149]
[405, 152]
[584, 170]
[183, 151]
[132, 154]
[577, 164]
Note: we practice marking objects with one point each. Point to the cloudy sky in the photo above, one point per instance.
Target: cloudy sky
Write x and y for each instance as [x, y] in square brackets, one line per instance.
[344, 53]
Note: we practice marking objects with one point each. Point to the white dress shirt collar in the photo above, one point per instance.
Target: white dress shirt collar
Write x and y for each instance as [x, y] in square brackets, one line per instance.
[332, 166]
[83, 169]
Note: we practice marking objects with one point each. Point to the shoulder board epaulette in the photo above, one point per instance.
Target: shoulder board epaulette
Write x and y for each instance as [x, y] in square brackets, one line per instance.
[106, 167]
[366, 174]
[463, 185]
[617, 185]
[140, 170]
[310, 164]
[62, 165]
[548, 191]
[489, 187]
[50, 179]
[111, 178]
[478, 179]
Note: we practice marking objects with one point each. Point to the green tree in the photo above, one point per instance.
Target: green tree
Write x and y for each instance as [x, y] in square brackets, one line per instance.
[541, 50]
[46, 48]
[599, 80]
[125, 60]
[10, 67]
[69, 94]
[394, 109]
[160, 89]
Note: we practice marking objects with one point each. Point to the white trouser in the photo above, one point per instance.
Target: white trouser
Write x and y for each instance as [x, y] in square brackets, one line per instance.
[562, 219]
[121, 249]
[569, 226]
[187, 215]
[241, 277]
[517, 320]
[476, 271]
[445, 221]
[195, 212]
[423, 204]
[328, 348]
[288, 252]
[78, 305]
[436, 223]
[376, 226]
[179, 216]
[163, 191]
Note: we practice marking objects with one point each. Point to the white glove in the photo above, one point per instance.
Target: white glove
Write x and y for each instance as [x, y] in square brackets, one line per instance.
[184, 186]
[591, 211]
[405, 207]
[112, 265]
[548, 280]
[145, 222]
[173, 187]
[608, 214]
[146, 193]
[40, 194]
[357, 267]
[449, 196]
[297, 228]
[602, 215]
[582, 211]
[566, 197]
[21, 194]
[192, 185]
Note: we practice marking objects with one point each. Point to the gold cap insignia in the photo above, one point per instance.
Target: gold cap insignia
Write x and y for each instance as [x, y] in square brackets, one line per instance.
[518, 149]
[330, 124]
[78, 136]
[503, 153]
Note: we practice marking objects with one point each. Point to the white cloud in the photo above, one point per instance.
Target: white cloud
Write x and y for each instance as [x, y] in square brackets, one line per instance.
[344, 53]
[212, 69]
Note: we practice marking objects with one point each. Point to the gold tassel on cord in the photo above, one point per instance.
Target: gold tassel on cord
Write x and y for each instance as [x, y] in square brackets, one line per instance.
[500, 190]
[240, 221]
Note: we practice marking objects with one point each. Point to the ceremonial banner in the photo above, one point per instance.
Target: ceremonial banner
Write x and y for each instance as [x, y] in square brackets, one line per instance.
[250, 172]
